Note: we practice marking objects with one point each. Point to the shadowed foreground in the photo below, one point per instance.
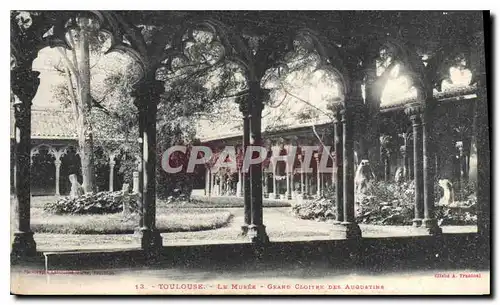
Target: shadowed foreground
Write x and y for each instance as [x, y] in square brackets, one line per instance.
[451, 264]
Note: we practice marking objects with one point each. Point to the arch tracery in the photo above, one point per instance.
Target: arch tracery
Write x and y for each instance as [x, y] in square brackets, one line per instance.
[254, 55]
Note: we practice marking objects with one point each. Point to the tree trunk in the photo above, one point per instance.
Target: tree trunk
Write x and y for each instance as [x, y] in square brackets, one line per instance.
[86, 138]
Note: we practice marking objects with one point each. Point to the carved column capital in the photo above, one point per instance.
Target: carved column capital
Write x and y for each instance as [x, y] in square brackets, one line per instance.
[24, 84]
[258, 96]
[242, 101]
[343, 116]
[337, 108]
[112, 157]
[58, 153]
[478, 56]
[402, 150]
[148, 91]
[414, 111]
[22, 113]
[460, 146]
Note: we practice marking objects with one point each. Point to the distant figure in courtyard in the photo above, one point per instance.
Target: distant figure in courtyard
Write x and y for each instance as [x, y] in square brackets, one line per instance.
[364, 174]
[448, 194]
[76, 188]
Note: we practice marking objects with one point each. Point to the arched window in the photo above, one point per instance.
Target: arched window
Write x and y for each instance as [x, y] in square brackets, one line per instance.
[300, 94]
[398, 88]
[460, 77]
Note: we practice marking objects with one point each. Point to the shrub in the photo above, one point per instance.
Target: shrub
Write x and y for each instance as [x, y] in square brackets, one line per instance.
[387, 203]
[99, 203]
[319, 209]
[461, 213]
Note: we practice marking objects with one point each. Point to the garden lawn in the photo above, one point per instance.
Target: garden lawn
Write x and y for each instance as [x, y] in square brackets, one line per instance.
[222, 202]
[169, 220]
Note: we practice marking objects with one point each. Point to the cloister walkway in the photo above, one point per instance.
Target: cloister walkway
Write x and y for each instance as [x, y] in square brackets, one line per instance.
[280, 224]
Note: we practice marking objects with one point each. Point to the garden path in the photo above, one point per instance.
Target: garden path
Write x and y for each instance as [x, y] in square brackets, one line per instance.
[280, 226]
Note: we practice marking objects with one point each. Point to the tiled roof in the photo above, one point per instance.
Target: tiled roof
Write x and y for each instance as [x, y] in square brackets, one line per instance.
[49, 124]
[439, 95]
[58, 124]
[230, 129]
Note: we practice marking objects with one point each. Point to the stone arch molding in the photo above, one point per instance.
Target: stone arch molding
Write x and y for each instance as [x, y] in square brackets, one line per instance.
[53, 151]
[438, 66]
[50, 29]
[426, 74]
[235, 48]
[357, 66]
[349, 64]
[332, 57]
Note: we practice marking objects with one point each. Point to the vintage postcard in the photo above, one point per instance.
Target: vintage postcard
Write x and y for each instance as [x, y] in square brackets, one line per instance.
[250, 152]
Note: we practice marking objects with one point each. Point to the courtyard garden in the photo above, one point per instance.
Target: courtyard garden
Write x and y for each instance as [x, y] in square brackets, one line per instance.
[45, 218]
[391, 203]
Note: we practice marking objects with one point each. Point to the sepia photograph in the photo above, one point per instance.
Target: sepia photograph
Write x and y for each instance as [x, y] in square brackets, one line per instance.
[250, 152]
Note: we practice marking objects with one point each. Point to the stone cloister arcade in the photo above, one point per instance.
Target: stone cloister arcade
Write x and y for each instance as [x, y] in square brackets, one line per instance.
[394, 161]
[344, 45]
[66, 161]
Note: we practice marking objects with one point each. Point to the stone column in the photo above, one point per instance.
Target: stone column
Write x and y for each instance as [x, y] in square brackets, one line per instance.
[207, 181]
[57, 154]
[221, 182]
[409, 155]
[338, 164]
[24, 84]
[266, 184]
[147, 94]
[257, 230]
[112, 172]
[135, 183]
[404, 161]
[333, 174]
[307, 185]
[139, 185]
[461, 163]
[58, 173]
[415, 111]
[318, 176]
[387, 165]
[275, 187]
[212, 182]
[245, 106]
[240, 181]
[302, 180]
[405, 151]
[288, 182]
[429, 222]
[352, 228]
[384, 155]
[482, 138]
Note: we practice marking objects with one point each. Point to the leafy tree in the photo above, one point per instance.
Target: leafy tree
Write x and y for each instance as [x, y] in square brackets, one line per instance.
[84, 67]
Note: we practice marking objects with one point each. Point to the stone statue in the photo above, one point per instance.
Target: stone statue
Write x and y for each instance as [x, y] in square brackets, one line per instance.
[126, 199]
[135, 185]
[76, 188]
[363, 175]
[398, 177]
[299, 199]
[448, 194]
